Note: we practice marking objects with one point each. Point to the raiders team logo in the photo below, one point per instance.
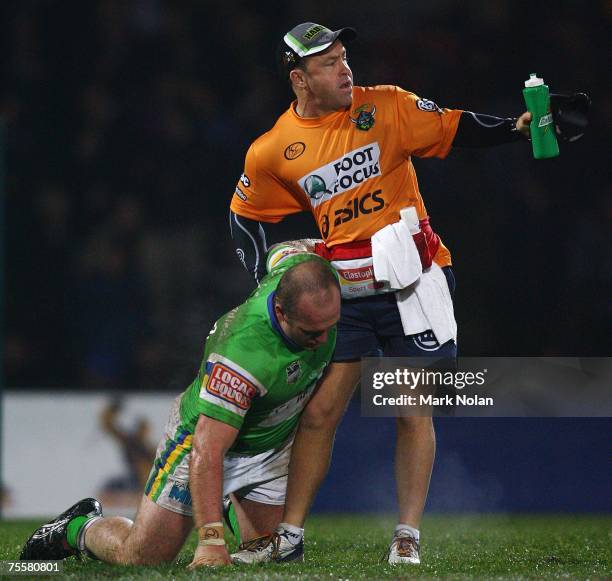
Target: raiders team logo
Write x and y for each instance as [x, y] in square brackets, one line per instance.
[294, 371]
[428, 106]
[364, 119]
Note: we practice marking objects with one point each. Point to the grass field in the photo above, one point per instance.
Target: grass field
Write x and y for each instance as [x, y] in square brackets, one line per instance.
[350, 547]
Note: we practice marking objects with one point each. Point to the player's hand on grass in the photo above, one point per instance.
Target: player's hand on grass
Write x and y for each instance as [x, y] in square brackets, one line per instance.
[522, 123]
[210, 556]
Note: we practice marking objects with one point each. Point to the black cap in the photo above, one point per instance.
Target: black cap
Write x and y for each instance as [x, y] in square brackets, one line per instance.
[309, 38]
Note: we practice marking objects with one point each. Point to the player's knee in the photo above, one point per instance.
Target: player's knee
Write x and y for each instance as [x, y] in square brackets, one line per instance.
[415, 425]
[142, 560]
[137, 549]
[147, 556]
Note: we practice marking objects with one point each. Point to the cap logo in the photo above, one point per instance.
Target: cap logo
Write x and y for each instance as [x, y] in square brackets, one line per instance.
[313, 31]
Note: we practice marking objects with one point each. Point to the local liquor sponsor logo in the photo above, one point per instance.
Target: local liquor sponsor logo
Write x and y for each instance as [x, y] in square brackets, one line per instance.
[229, 385]
[428, 106]
[294, 150]
[343, 174]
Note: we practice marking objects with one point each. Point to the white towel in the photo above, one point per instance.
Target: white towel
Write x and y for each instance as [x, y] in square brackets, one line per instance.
[395, 256]
[427, 304]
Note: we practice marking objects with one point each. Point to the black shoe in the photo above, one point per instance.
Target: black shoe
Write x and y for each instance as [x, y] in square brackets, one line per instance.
[49, 542]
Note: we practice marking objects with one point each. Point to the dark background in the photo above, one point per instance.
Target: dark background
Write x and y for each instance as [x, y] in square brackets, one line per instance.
[126, 127]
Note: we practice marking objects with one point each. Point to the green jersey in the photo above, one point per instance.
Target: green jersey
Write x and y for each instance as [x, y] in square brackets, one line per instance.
[253, 377]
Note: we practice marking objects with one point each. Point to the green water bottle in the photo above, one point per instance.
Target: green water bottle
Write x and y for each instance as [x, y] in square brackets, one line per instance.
[537, 99]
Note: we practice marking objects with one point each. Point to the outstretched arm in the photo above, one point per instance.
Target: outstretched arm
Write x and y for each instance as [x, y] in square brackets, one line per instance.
[570, 113]
[478, 130]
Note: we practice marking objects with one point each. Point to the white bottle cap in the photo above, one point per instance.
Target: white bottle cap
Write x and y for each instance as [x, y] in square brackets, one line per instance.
[410, 217]
[534, 80]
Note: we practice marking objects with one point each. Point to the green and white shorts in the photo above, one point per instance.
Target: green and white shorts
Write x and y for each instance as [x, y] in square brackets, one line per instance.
[261, 478]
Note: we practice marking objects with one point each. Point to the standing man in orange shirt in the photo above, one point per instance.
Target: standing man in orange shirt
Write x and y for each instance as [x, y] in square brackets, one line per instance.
[344, 153]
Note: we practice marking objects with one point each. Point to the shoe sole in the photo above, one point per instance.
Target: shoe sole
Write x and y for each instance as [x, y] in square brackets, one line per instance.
[291, 558]
[287, 559]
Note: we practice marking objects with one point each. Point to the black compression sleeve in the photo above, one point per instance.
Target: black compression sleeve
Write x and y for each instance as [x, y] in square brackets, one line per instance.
[478, 130]
[251, 247]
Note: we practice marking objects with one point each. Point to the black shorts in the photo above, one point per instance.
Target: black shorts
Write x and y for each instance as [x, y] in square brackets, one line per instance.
[371, 326]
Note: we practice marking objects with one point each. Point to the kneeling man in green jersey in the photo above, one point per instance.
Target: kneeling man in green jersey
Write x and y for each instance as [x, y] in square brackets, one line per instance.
[229, 433]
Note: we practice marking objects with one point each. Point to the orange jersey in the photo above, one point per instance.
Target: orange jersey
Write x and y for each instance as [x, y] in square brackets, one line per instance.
[351, 168]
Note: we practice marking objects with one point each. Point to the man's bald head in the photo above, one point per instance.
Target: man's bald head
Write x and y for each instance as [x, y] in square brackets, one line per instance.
[313, 278]
[307, 302]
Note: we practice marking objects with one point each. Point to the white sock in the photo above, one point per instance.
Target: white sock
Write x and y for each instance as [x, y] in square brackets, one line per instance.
[413, 532]
[81, 538]
[295, 533]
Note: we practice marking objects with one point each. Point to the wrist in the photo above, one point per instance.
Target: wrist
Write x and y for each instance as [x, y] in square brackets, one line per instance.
[211, 534]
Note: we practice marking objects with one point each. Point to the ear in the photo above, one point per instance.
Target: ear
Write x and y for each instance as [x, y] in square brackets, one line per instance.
[298, 78]
[278, 310]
